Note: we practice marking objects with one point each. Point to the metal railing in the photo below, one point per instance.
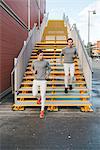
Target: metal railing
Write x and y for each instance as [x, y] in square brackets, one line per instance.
[21, 62]
[44, 24]
[84, 58]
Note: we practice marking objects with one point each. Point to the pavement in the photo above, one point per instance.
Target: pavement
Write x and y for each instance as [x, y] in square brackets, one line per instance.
[96, 83]
[63, 130]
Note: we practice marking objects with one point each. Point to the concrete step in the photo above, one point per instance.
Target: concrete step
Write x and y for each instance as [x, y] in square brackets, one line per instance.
[51, 78]
[55, 83]
[60, 46]
[54, 103]
[47, 42]
[57, 68]
[56, 72]
[76, 89]
[55, 64]
[48, 57]
[45, 53]
[48, 51]
[60, 96]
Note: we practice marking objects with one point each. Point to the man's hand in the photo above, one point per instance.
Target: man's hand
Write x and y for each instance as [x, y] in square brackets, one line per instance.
[61, 62]
[46, 77]
[75, 56]
[34, 71]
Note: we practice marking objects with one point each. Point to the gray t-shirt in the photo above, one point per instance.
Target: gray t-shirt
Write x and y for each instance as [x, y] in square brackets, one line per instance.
[68, 54]
[42, 68]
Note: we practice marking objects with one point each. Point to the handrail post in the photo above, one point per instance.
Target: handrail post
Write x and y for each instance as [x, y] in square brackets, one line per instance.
[29, 14]
[15, 81]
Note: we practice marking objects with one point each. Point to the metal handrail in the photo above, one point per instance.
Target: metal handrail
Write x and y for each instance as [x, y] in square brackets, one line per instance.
[34, 35]
[74, 27]
[83, 55]
[84, 50]
[20, 54]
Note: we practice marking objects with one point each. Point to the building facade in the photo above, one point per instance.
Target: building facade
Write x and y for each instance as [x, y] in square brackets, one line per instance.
[96, 49]
[17, 17]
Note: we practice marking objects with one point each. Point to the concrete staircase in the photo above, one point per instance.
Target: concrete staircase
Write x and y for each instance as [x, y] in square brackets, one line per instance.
[53, 40]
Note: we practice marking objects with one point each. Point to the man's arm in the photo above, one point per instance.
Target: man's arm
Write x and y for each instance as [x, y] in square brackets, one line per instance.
[75, 53]
[32, 68]
[61, 54]
[48, 69]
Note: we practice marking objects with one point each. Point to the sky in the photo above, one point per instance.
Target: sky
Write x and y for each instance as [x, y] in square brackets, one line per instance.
[77, 12]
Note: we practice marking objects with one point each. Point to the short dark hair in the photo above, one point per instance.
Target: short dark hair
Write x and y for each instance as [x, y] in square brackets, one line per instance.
[39, 51]
[69, 39]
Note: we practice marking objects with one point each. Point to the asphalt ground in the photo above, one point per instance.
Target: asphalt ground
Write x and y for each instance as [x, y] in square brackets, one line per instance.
[63, 130]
